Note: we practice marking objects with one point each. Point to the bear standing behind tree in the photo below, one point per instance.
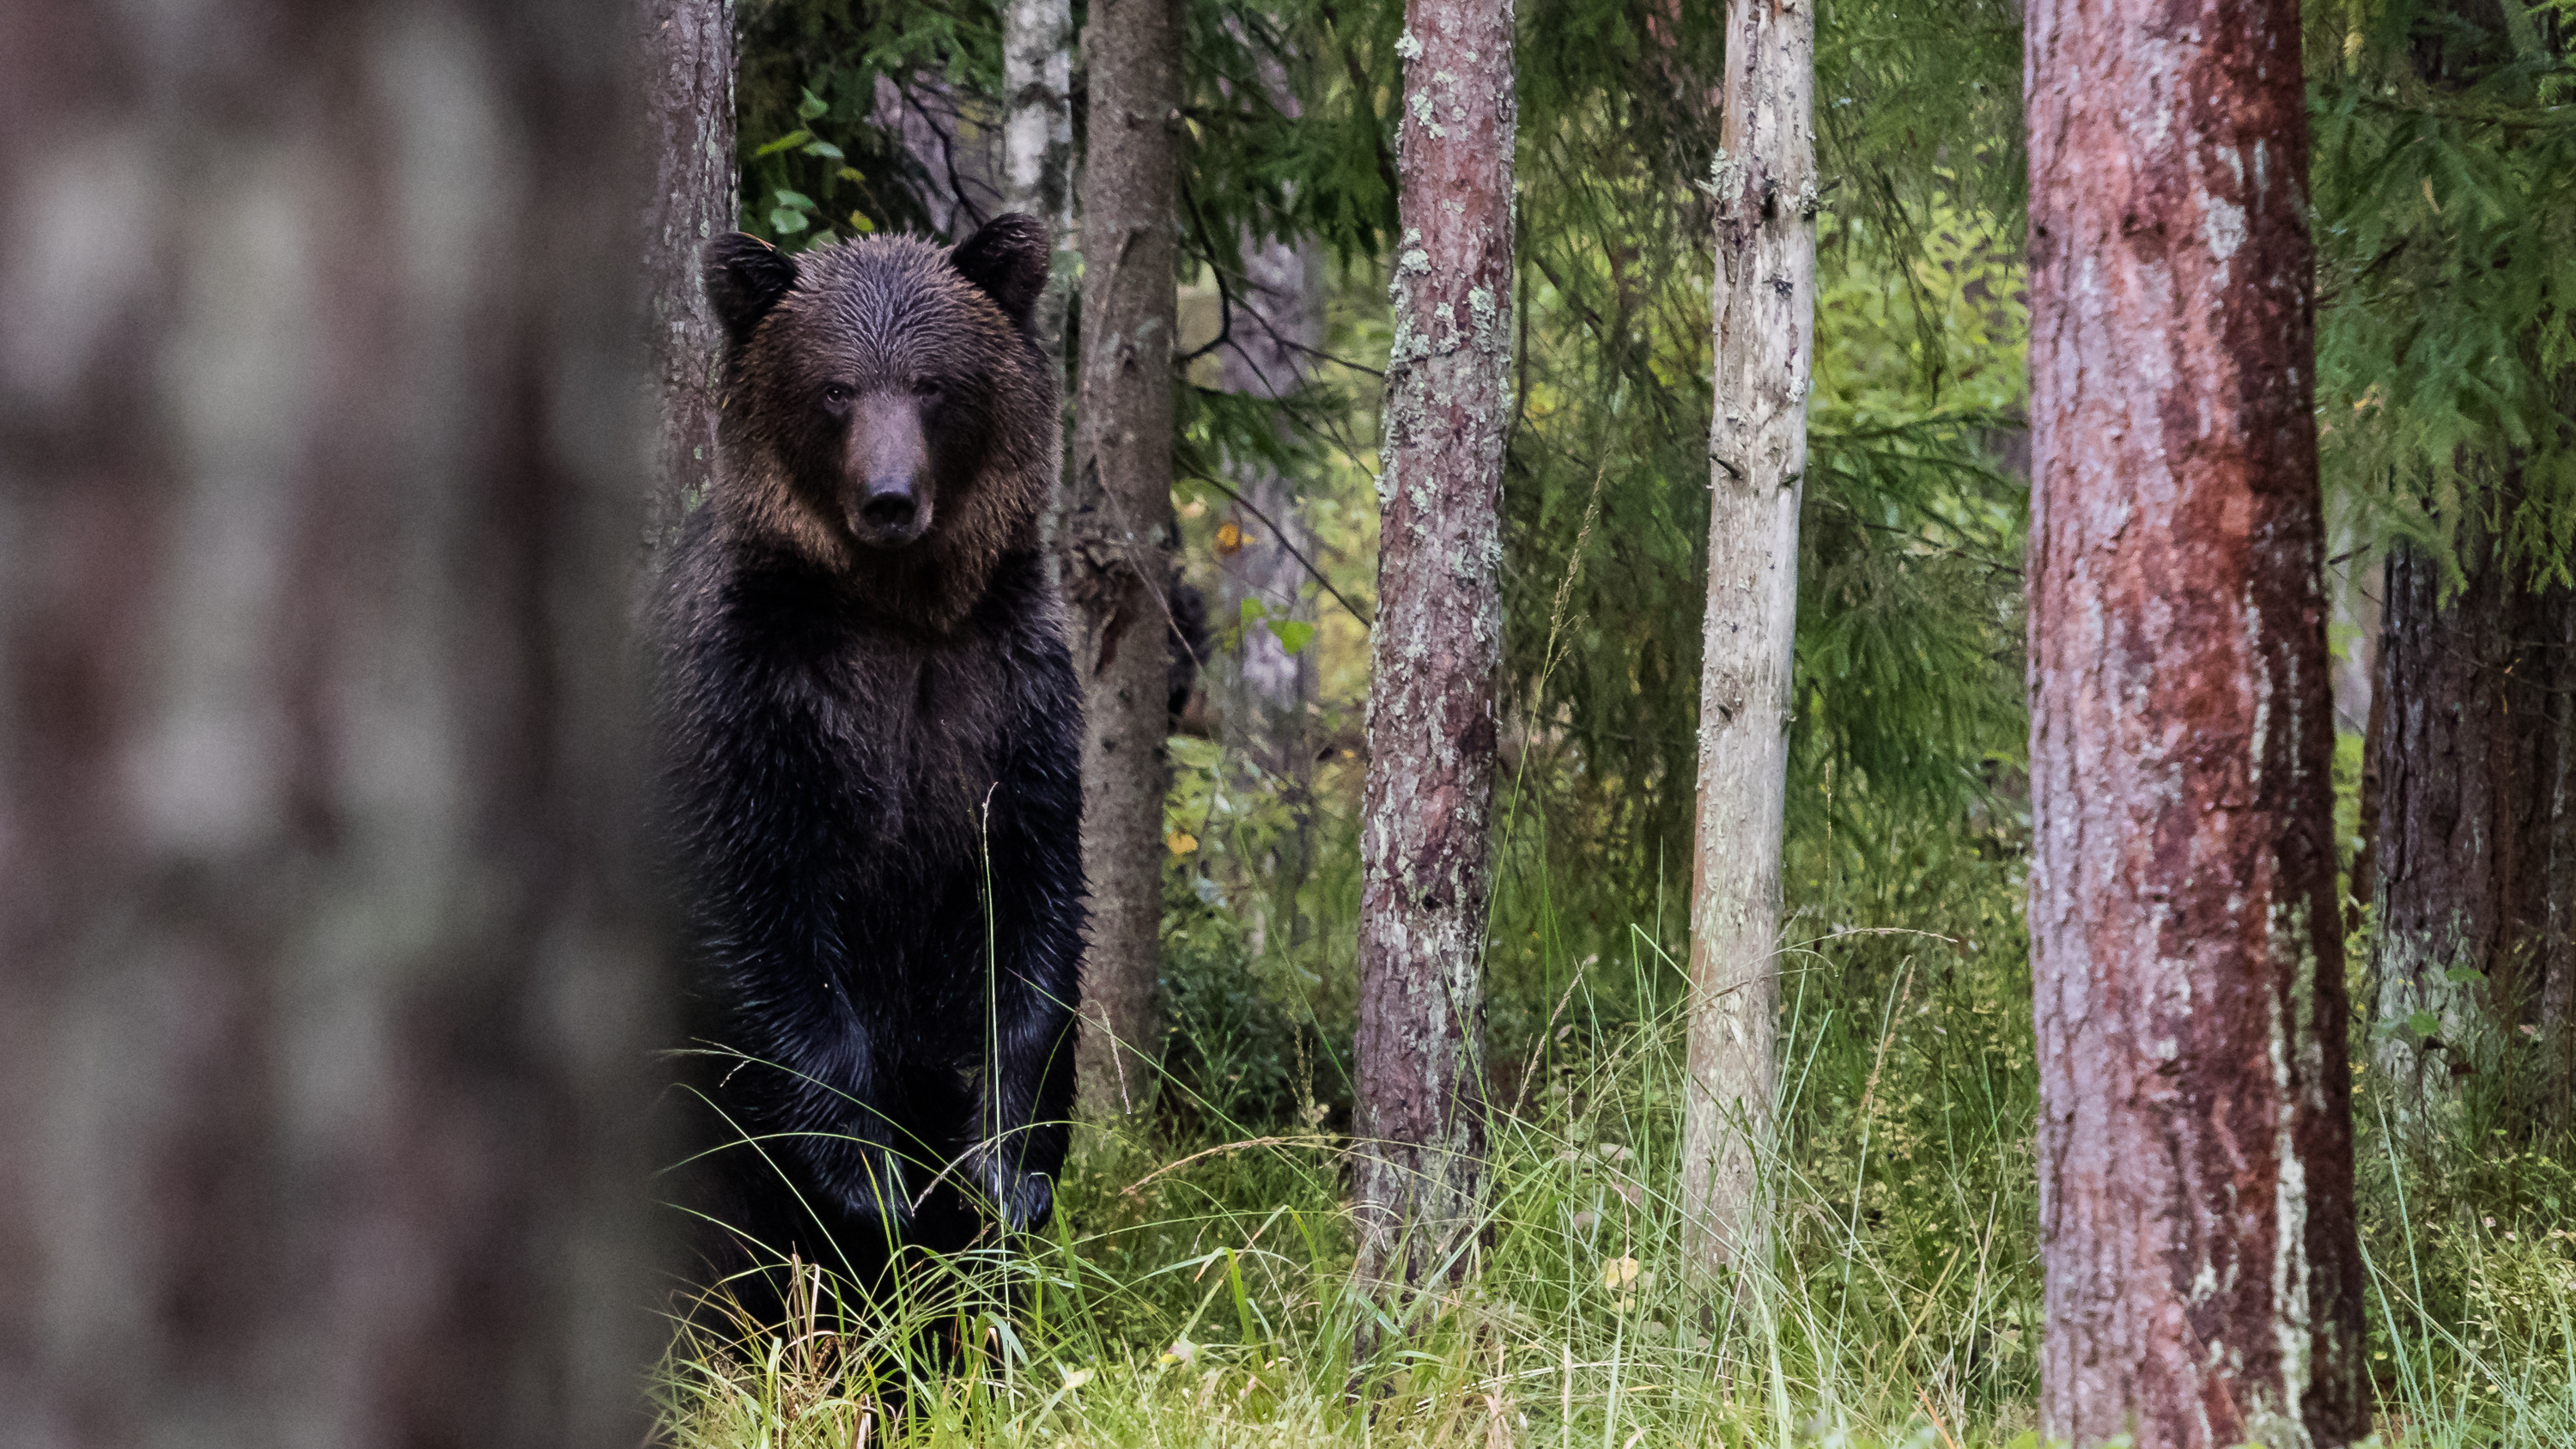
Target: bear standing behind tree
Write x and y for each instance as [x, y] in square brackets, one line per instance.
[874, 737]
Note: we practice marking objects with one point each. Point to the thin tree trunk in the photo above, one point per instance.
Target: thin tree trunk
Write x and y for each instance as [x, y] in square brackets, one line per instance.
[1265, 689]
[2473, 848]
[1037, 142]
[1432, 723]
[330, 972]
[689, 128]
[2203, 1274]
[1118, 530]
[1765, 187]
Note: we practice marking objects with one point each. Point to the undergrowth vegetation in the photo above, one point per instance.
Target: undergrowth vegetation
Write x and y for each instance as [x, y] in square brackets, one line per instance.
[1195, 1286]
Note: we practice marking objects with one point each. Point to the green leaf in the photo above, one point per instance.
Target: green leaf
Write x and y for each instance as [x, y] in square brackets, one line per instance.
[2424, 1023]
[824, 149]
[785, 222]
[787, 142]
[1254, 611]
[1293, 634]
[796, 199]
[2465, 976]
[810, 107]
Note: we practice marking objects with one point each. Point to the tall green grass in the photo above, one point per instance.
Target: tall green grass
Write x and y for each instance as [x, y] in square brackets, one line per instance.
[1195, 1288]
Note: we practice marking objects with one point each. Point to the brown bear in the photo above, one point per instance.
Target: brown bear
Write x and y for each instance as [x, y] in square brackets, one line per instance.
[873, 734]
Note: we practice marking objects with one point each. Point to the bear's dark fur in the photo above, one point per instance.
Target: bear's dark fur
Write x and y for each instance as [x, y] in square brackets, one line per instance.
[873, 732]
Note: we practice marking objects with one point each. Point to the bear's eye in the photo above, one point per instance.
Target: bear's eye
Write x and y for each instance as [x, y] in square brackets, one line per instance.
[926, 387]
[836, 396]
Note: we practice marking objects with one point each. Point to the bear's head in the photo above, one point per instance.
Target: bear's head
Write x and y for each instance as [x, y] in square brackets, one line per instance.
[887, 415]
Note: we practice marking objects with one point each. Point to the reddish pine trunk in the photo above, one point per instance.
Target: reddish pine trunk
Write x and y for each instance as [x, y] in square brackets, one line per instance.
[1118, 532]
[1435, 649]
[327, 969]
[2203, 1277]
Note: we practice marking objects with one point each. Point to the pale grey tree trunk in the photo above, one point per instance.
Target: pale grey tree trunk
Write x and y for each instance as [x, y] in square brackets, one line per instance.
[687, 75]
[1426, 814]
[1037, 143]
[2204, 1276]
[330, 971]
[1116, 541]
[1264, 690]
[1764, 185]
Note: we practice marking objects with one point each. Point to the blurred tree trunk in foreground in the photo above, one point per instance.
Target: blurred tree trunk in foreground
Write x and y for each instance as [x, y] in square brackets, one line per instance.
[688, 106]
[1434, 653]
[329, 980]
[1118, 532]
[1765, 192]
[2203, 1274]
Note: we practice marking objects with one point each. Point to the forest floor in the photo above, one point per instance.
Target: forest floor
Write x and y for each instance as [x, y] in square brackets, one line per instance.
[1195, 1288]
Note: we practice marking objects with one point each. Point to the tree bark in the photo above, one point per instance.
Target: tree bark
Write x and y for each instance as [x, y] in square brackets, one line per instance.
[1434, 654]
[1764, 182]
[1266, 690]
[1118, 530]
[687, 74]
[2203, 1275]
[1037, 142]
[331, 974]
[2476, 840]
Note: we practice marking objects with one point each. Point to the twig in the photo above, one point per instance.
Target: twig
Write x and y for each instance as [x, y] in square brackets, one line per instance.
[1277, 532]
[1140, 1184]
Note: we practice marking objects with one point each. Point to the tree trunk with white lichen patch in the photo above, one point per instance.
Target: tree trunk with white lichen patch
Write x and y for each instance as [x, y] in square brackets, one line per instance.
[2203, 1275]
[1764, 186]
[1434, 655]
[1117, 535]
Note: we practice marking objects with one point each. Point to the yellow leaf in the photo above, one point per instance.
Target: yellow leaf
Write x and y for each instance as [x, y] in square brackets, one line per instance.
[1181, 842]
[1229, 537]
[1619, 1273]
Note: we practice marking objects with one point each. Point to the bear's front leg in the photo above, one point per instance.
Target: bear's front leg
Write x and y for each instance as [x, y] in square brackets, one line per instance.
[1033, 978]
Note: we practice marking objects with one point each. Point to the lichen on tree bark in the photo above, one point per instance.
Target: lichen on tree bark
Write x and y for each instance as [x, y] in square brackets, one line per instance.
[1435, 650]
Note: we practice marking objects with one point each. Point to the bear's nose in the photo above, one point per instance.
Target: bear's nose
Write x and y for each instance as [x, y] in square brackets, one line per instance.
[888, 508]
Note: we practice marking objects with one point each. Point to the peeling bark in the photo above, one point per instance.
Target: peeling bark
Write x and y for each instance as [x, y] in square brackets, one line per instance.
[1118, 530]
[1435, 652]
[2203, 1275]
[687, 72]
[1764, 186]
[331, 971]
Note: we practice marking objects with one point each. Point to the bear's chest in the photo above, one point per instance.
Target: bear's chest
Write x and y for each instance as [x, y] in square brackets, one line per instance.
[924, 731]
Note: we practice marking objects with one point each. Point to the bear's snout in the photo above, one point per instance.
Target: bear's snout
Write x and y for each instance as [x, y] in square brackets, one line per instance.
[888, 494]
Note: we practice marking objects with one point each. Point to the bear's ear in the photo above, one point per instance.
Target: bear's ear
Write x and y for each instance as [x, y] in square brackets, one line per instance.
[745, 278]
[1007, 260]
